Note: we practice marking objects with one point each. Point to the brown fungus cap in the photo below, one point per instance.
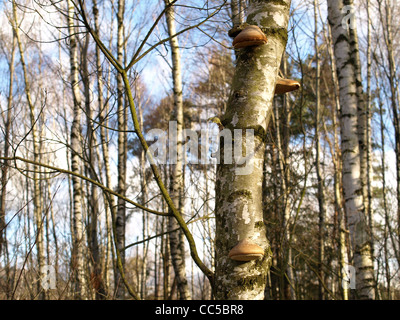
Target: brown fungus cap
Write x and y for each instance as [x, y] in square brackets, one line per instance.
[246, 250]
[286, 85]
[250, 36]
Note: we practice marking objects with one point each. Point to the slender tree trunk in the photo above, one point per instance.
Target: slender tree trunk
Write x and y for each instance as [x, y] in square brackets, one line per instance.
[274, 288]
[283, 167]
[242, 8]
[361, 109]
[54, 234]
[284, 207]
[36, 156]
[145, 215]
[286, 119]
[368, 128]
[352, 187]
[177, 244]
[363, 131]
[4, 170]
[7, 140]
[235, 17]
[337, 162]
[103, 111]
[93, 198]
[387, 228]
[122, 152]
[320, 180]
[76, 152]
[239, 204]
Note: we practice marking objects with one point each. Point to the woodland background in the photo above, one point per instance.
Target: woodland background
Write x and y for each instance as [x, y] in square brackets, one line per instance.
[62, 104]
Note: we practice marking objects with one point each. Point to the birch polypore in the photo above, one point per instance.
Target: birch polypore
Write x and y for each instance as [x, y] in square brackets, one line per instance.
[286, 85]
[239, 209]
[250, 36]
[246, 250]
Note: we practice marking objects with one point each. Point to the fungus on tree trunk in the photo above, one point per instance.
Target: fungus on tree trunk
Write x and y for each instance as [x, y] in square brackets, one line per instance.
[286, 85]
[246, 250]
[250, 36]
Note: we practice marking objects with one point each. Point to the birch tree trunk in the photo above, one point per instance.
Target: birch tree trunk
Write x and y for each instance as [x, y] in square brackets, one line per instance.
[143, 199]
[361, 109]
[37, 203]
[352, 187]
[239, 210]
[122, 144]
[368, 129]
[110, 199]
[176, 239]
[337, 162]
[363, 131]
[76, 151]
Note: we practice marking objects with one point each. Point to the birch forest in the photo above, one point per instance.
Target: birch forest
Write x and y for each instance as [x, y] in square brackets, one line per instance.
[199, 150]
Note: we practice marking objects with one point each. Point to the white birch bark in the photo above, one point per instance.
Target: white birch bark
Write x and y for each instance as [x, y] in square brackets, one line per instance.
[76, 151]
[352, 188]
[336, 155]
[239, 205]
[368, 129]
[120, 219]
[177, 244]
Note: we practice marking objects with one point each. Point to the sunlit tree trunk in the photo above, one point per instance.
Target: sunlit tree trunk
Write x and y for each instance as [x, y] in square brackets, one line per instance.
[352, 187]
[76, 152]
[239, 205]
[361, 109]
[337, 162]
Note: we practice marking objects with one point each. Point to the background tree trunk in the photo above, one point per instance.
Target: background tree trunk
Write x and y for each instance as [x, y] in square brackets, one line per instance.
[37, 202]
[352, 186]
[320, 180]
[7, 144]
[120, 219]
[76, 153]
[176, 240]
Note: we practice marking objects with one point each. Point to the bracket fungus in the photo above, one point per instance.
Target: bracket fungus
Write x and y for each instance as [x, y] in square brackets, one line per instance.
[286, 85]
[249, 36]
[246, 250]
